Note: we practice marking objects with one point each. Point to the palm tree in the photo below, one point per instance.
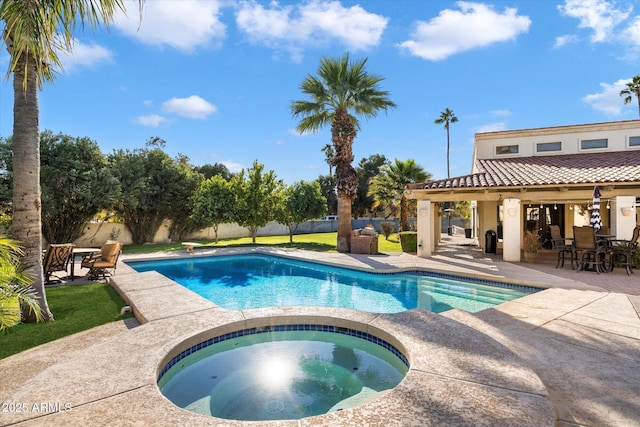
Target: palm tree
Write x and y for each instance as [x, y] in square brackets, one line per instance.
[341, 87]
[633, 88]
[329, 152]
[447, 117]
[389, 186]
[14, 286]
[34, 33]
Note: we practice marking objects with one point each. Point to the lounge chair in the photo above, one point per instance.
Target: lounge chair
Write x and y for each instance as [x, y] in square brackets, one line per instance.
[56, 258]
[626, 249]
[100, 263]
[588, 250]
[562, 245]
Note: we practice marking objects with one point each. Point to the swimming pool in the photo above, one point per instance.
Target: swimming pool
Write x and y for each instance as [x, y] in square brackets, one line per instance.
[254, 280]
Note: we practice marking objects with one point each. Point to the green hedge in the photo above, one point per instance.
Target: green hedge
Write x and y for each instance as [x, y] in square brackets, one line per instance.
[409, 241]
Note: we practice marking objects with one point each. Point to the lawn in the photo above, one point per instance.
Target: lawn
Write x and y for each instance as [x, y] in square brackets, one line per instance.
[320, 242]
[80, 307]
[76, 308]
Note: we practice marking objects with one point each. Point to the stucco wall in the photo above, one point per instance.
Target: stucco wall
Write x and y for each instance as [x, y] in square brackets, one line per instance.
[97, 233]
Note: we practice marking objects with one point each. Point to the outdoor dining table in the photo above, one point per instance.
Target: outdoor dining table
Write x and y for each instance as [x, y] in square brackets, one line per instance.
[83, 252]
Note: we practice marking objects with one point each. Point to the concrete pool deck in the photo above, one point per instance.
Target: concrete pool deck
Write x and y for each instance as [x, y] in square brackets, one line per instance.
[565, 356]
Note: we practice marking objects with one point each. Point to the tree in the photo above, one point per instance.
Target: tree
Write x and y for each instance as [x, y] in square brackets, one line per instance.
[181, 222]
[633, 89]
[367, 169]
[341, 87]
[214, 203]
[77, 184]
[34, 33]
[302, 201]
[390, 185]
[329, 153]
[447, 117]
[258, 196]
[328, 189]
[209, 170]
[154, 186]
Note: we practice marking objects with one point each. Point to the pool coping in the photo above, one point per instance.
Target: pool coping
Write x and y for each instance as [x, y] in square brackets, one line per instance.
[457, 359]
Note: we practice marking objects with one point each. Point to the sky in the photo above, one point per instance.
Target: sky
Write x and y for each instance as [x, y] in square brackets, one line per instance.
[216, 79]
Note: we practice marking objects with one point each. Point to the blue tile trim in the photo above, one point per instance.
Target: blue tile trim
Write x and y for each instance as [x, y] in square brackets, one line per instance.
[285, 328]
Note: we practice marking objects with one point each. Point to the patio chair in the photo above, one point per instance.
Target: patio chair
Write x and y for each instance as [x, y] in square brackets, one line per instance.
[100, 263]
[56, 258]
[588, 250]
[564, 246]
[626, 249]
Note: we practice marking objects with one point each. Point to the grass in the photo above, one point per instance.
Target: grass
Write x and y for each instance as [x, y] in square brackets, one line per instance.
[75, 308]
[80, 307]
[319, 242]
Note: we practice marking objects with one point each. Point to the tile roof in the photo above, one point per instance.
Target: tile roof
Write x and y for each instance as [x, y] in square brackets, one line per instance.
[590, 168]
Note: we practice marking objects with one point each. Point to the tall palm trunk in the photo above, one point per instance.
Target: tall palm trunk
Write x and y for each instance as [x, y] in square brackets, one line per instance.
[27, 221]
[448, 173]
[343, 133]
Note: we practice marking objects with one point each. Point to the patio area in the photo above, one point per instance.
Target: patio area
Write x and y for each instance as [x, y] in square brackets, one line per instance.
[566, 356]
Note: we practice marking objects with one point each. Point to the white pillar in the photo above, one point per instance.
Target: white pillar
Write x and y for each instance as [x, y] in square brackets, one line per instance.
[623, 216]
[511, 230]
[425, 222]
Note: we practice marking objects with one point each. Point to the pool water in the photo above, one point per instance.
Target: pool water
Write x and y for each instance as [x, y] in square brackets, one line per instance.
[282, 375]
[255, 281]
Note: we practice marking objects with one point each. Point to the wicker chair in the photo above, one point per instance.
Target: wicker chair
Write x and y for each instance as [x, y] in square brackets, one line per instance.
[364, 242]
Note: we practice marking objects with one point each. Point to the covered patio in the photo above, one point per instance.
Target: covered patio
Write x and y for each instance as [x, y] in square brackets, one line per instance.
[511, 195]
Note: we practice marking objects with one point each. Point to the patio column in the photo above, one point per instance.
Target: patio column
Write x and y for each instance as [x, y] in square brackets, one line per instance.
[425, 222]
[623, 216]
[511, 230]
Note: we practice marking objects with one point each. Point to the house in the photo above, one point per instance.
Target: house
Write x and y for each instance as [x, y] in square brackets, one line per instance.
[532, 178]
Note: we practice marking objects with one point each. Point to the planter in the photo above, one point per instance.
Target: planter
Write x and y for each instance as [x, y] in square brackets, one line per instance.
[467, 233]
[531, 257]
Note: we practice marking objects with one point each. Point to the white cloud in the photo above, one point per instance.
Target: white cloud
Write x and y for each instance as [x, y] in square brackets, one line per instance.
[182, 25]
[474, 25]
[233, 166]
[565, 40]
[152, 120]
[600, 16]
[501, 113]
[85, 56]
[318, 23]
[631, 34]
[608, 100]
[192, 107]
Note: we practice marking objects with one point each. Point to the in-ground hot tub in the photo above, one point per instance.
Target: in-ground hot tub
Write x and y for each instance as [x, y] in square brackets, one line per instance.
[283, 371]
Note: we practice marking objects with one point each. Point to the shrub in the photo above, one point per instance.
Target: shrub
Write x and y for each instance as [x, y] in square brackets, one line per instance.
[387, 228]
[409, 241]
